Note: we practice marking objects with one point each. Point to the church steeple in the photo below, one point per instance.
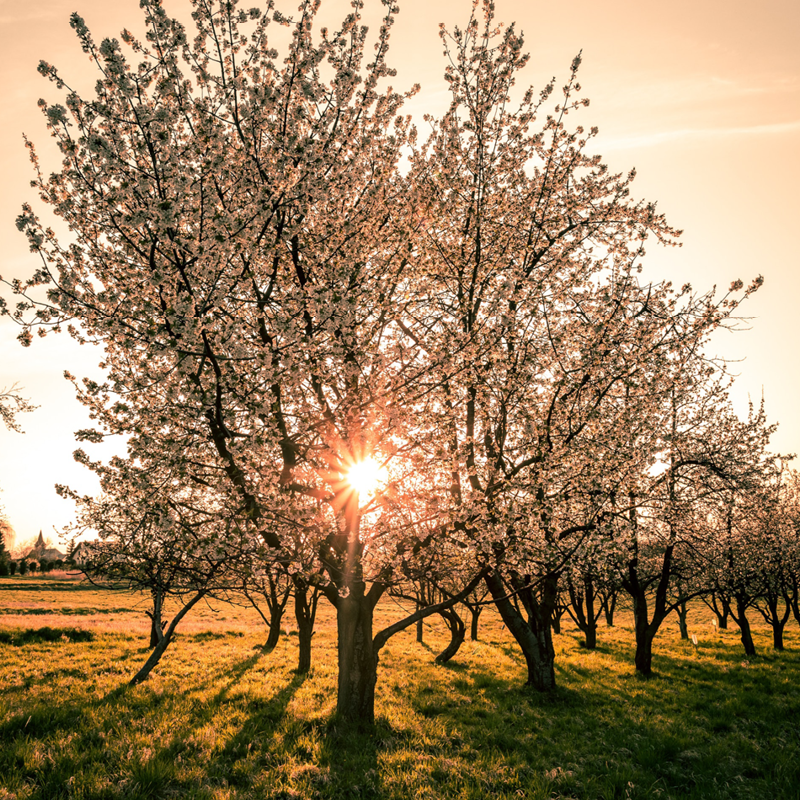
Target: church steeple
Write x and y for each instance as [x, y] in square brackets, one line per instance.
[40, 541]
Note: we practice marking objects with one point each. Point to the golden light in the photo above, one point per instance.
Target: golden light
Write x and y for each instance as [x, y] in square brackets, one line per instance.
[366, 476]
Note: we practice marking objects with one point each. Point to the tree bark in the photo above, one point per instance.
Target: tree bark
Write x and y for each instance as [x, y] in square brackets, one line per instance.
[608, 601]
[683, 612]
[305, 613]
[774, 618]
[457, 633]
[582, 610]
[473, 625]
[357, 658]
[156, 622]
[155, 656]
[534, 636]
[744, 625]
[275, 619]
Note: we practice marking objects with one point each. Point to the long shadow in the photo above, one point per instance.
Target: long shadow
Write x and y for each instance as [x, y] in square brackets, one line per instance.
[349, 757]
[250, 751]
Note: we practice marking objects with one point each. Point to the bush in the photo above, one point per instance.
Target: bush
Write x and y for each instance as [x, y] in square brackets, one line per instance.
[23, 567]
[3, 568]
[12, 567]
[33, 566]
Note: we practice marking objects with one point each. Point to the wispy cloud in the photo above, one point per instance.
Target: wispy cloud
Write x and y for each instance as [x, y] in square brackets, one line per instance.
[696, 134]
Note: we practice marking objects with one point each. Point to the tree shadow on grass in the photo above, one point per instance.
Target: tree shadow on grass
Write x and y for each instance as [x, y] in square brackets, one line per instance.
[267, 735]
[349, 757]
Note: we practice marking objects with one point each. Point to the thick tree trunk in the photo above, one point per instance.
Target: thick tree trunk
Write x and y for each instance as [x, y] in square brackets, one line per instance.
[645, 631]
[458, 631]
[155, 656]
[533, 636]
[304, 633]
[721, 611]
[275, 619]
[358, 661]
[643, 659]
[590, 635]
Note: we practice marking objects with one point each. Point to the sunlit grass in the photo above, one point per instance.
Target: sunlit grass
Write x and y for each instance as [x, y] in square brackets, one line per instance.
[221, 719]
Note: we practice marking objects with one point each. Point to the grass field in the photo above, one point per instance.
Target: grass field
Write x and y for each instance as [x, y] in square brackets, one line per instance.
[221, 719]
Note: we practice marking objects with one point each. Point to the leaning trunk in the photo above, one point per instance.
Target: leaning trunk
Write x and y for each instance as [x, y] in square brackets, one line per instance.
[744, 626]
[457, 633]
[275, 619]
[155, 656]
[358, 662]
[534, 637]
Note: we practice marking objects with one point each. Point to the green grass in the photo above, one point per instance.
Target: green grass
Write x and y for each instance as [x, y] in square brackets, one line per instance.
[221, 719]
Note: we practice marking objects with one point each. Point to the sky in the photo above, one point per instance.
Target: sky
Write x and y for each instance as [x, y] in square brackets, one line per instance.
[702, 97]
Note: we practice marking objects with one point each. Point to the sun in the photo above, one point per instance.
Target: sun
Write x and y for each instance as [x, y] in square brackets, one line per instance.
[366, 476]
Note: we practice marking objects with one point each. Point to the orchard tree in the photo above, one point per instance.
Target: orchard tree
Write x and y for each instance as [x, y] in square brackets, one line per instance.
[705, 451]
[158, 535]
[240, 241]
[547, 350]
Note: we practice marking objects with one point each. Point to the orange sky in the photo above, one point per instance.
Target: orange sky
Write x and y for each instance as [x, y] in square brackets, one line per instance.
[701, 96]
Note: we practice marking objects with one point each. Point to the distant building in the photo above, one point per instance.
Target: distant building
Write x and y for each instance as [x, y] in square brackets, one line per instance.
[80, 553]
[41, 552]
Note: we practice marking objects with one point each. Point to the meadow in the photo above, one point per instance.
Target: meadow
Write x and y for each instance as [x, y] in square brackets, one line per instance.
[220, 718]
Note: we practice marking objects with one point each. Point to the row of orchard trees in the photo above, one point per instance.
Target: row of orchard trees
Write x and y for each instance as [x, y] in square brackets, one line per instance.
[278, 300]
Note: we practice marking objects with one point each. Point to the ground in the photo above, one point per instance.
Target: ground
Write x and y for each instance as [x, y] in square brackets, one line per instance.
[220, 718]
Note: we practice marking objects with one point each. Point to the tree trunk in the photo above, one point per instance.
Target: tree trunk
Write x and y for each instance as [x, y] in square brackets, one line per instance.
[156, 622]
[457, 633]
[305, 613]
[683, 612]
[582, 610]
[357, 660]
[275, 619]
[643, 659]
[534, 636]
[155, 656]
[744, 626]
[793, 597]
[776, 620]
[722, 618]
[590, 635]
[608, 601]
[473, 626]
[555, 617]
[645, 631]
